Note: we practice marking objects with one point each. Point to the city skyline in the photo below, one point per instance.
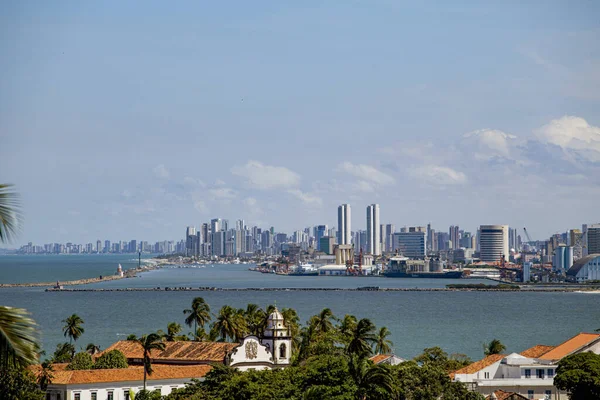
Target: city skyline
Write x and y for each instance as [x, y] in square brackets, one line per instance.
[138, 120]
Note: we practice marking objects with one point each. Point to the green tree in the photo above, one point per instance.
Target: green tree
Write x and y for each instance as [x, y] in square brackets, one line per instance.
[110, 360]
[371, 378]
[579, 375]
[322, 322]
[19, 383]
[255, 319]
[131, 337]
[64, 353]
[436, 357]
[346, 327]
[146, 395]
[382, 344]
[362, 338]
[92, 349]
[198, 314]
[493, 347]
[45, 375]
[148, 343]
[18, 337]
[10, 213]
[73, 328]
[229, 323]
[292, 321]
[172, 335]
[81, 360]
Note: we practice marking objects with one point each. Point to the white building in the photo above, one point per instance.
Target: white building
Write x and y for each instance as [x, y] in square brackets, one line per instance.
[373, 230]
[272, 350]
[562, 259]
[344, 224]
[410, 244]
[530, 373]
[493, 243]
[585, 269]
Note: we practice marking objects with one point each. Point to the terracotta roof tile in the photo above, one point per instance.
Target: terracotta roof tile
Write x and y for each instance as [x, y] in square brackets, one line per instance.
[161, 372]
[570, 346]
[379, 358]
[479, 365]
[176, 351]
[536, 351]
[502, 395]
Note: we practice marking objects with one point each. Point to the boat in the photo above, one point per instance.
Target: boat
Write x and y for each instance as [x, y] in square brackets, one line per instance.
[304, 270]
[404, 267]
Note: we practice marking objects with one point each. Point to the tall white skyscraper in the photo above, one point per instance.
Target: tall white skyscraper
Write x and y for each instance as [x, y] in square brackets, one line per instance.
[344, 224]
[493, 242]
[373, 239]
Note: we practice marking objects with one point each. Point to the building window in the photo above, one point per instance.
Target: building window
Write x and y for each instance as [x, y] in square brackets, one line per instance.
[548, 395]
[282, 351]
[110, 396]
[527, 373]
[126, 394]
[58, 396]
[486, 375]
[77, 396]
[550, 373]
[94, 396]
[530, 394]
[540, 373]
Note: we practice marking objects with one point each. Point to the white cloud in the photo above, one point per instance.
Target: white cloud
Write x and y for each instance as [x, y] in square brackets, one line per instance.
[439, 175]
[486, 144]
[201, 206]
[363, 186]
[366, 173]
[222, 193]
[161, 172]
[307, 198]
[189, 181]
[572, 133]
[263, 176]
[252, 207]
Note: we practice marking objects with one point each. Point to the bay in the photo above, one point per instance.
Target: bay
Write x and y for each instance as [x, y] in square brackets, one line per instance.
[459, 322]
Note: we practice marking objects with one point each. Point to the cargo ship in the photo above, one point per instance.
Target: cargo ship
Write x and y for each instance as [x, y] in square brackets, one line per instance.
[404, 267]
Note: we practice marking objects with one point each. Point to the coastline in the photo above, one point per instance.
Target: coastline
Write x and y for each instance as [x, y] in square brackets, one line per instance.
[130, 273]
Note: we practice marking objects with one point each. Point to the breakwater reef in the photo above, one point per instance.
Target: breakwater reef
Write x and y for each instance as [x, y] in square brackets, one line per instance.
[130, 273]
[299, 289]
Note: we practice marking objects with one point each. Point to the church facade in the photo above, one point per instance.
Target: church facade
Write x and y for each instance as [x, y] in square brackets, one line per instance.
[272, 350]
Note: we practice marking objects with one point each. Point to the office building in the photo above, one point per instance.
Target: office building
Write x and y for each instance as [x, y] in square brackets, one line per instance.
[411, 243]
[454, 236]
[493, 243]
[326, 244]
[320, 231]
[344, 224]
[593, 239]
[373, 238]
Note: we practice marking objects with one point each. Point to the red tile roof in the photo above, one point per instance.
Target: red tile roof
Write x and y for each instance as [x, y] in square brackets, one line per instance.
[536, 351]
[502, 395]
[161, 372]
[379, 358]
[570, 346]
[479, 365]
[198, 352]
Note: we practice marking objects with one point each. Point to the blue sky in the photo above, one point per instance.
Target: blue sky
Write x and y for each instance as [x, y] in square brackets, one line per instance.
[133, 120]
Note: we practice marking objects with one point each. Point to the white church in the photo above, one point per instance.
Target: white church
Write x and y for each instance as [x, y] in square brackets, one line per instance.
[272, 350]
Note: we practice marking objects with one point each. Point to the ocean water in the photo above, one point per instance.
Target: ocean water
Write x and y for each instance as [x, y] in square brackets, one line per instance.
[459, 322]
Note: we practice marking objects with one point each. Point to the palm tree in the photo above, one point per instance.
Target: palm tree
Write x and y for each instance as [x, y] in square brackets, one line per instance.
[362, 338]
[149, 342]
[382, 344]
[368, 376]
[92, 349]
[493, 347]
[346, 327]
[18, 337]
[199, 314]
[73, 328]
[255, 319]
[322, 321]
[229, 323]
[292, 321]
[45, 376]
[172, 330]
[10, 213]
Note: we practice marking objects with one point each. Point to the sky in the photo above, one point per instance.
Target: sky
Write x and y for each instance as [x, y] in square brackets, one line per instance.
[132, 120]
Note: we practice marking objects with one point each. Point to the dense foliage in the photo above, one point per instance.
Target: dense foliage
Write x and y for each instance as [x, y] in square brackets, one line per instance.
[81, 360]
[579, 375]
[18, 383]
[111, 359]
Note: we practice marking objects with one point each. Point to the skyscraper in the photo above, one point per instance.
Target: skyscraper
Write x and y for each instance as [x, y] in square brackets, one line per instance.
[321, 231]
[593, 239]
[215, 225]
[493, 242]
[454, 236]
[344, 224]
[373, 239]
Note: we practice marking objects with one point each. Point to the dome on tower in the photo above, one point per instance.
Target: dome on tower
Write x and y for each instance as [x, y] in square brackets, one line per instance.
[275, 320]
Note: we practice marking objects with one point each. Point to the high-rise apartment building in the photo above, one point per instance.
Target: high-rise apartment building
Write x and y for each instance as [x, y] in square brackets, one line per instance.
[493, 242]
[344, 224]
[593, 239]
[320, 232]
[454, 236]
[373, 239]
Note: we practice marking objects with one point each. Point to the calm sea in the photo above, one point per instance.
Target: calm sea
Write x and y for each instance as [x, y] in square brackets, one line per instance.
[459, 322]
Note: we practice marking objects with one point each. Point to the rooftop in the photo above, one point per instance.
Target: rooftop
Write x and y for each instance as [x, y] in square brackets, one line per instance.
[199, 352]
[536, 351]
[479, 365]
[577, 265]
[570, 346]
[131, 374]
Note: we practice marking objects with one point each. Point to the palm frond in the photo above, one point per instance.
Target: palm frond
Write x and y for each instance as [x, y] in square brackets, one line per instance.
[10, 213]
[18, 337]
